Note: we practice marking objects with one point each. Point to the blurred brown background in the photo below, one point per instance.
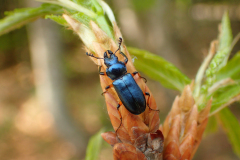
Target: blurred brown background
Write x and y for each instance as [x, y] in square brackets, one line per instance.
[50, 96]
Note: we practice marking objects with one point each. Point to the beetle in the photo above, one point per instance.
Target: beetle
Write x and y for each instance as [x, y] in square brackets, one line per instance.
[130, 94]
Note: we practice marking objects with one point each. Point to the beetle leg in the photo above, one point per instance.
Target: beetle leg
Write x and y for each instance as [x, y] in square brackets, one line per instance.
[136, 72]
[119, 44]
[119, 49]
[101, 73]
[126, 59]
[119, 104]
[106, 88]
[148, 94]
[91, 55]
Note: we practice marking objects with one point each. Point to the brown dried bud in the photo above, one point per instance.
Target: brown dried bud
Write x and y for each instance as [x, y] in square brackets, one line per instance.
[127, 152]
[184, 127]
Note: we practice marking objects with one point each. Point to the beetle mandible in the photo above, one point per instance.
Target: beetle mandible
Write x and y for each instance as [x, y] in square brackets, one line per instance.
[128, 91]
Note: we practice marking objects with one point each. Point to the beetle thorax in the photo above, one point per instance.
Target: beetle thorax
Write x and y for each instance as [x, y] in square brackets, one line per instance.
[116, 70]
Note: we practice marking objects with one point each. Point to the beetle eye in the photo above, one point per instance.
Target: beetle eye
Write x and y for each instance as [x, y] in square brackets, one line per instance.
[110, 52]
[105, 55]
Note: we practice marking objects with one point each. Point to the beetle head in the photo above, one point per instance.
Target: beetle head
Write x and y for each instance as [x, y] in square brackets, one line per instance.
[111, 59]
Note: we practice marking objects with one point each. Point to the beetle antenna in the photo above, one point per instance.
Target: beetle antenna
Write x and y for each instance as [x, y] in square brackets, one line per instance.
[119, 44]
[91, 55]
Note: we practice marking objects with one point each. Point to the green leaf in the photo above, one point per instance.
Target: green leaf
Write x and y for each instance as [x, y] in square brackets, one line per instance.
[223, 52]
[223, 96]
[232, 127]
[100, 18]
[231, 70]
[159, 69]
[225, 39]
[81, 17]
[68, 4]
[104, 25]
[85, 3]
[94, 146]
[20, 17]
[97, 7]
[212, 125]
[57, 19]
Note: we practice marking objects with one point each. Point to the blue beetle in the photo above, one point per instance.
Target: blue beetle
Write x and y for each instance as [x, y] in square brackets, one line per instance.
[128, 91]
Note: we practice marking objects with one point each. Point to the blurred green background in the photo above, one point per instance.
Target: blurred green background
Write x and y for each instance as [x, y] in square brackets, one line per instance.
[44, 118]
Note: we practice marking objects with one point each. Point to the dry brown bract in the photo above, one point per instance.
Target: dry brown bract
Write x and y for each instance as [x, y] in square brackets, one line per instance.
[184, 127]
